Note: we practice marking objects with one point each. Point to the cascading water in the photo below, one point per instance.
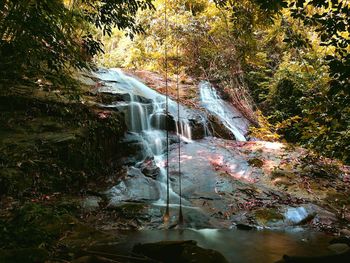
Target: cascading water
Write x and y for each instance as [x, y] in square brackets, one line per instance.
[145, 116]
[211, 173]
[144, 111]
[230, 117]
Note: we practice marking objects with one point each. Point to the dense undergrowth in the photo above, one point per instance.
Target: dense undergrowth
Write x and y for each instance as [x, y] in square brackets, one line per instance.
[53, 151]
[49, 145]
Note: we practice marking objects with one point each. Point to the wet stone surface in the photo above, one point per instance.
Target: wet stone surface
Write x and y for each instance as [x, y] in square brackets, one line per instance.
[222, 188]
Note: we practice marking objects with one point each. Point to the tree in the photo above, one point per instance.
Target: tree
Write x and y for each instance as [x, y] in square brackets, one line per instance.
[301, 78]
[46, 37]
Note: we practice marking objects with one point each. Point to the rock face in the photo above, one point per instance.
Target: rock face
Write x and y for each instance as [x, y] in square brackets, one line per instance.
[225, 183]
[149, 168]
[179, 251]
[255, 184]
[217, 129]
[135, 187]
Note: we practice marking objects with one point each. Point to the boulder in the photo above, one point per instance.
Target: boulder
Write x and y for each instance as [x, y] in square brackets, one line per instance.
[149, 168]
[179, 251]
[135, 187]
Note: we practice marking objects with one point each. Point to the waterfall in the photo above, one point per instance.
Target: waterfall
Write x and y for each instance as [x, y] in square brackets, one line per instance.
[145, 117]
[230, 117]
[146, 109]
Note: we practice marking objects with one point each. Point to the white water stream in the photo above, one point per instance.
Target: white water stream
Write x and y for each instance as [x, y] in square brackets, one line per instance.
[229, 116]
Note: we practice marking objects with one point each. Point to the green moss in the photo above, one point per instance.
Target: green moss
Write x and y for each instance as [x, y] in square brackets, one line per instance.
[48, 145]
[282, 173]
[13, 180]
[265, 216]
[51, 148]
[131, 210]
[338, 199]
[33, 225]
[256, 162]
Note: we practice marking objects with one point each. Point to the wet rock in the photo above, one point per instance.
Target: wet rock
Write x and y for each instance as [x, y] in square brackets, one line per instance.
[135, 115]
[218, 129]
[323, 218]
[136, 187]
[91, 203]
[296, 215]
[110, 98]
[198, 130]
[194, 218]
[179, 251]
[268, 217]
[173, 138]
[158, 121]
[132, 148]
[217, 179]
[119, 93]
[141, 99]
[149, 168]
[245, 227]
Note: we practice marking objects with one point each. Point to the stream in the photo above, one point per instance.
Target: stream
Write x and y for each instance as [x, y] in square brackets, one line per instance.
[216, 177]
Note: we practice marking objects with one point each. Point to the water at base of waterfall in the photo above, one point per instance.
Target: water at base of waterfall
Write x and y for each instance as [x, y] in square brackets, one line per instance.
[237, 246]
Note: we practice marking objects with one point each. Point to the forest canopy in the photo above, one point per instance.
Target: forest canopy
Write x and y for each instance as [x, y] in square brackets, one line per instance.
[44, 37]
[287, 60]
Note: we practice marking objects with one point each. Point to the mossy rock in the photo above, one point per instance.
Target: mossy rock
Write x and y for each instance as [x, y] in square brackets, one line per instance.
[256, 162]
[282, 173]
[131, 210]
[338, 199]
[218, 128]
[267, 216]
[284, 181]
[50, 146]
[83, 236]
[179, 251]
[320, 170]
[33, 224]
